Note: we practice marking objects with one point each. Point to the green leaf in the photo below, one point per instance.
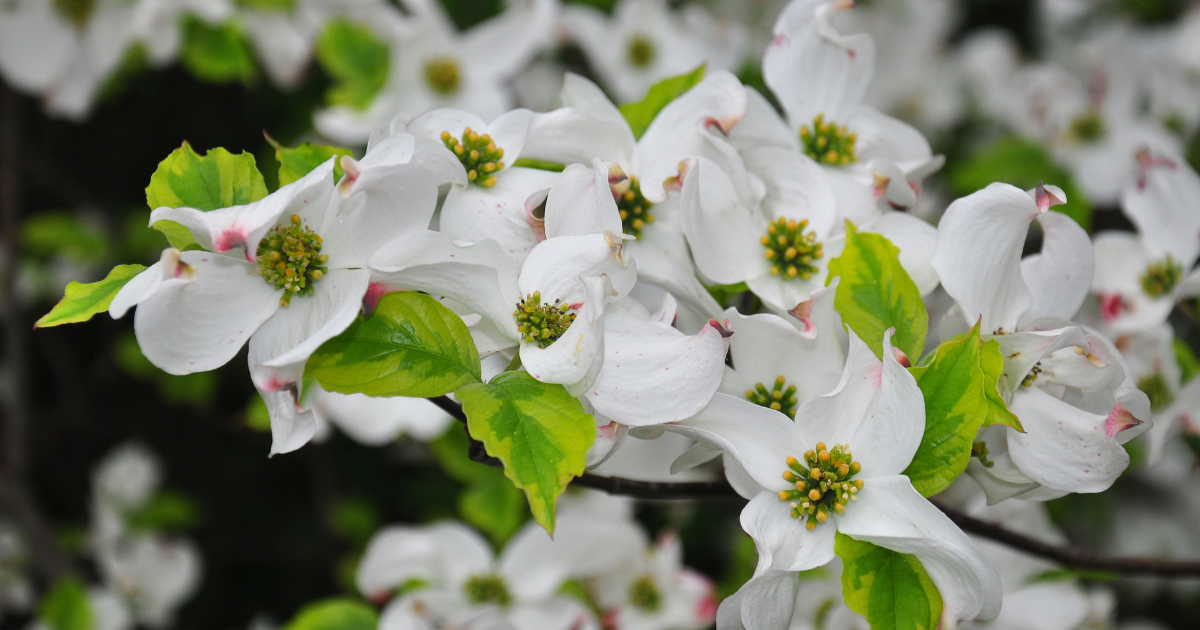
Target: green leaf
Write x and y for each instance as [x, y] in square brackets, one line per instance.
[66, 606]
[355, 59]
[48, 234]
[876, 293]
[178, 236]
[410, 346]
[541, 165]
[641, 113]
[355, 520]
[955, 406]
[297, 162]
[81, 301]
[217, 53]
[891, 590]
[1022, 163]
[337, 613]
[218, 179]
[166, 511]
[1189, 365]
[268, 5]
[538, 430]
[992, 362]
[723, 293]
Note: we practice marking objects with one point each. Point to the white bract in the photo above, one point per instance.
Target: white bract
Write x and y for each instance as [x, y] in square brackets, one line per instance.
[863, 434]
[376, 421]
[1065, 384]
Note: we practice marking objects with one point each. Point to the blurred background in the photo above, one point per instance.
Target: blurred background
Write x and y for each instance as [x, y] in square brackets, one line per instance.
[81, 139]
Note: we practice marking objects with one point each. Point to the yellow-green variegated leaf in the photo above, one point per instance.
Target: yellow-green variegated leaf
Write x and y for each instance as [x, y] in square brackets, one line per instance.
[296, 162]
[82, 301]
[890, 590]
[538, 430]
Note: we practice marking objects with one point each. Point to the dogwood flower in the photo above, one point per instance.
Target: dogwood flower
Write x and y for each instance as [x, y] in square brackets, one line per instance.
[645, 41]
[1139, 277]
[1056, 374]
[462, 583]
[657, 593]
[590, 126]
[856, 440]
[434, 66]
[285, 273]
[571, 324]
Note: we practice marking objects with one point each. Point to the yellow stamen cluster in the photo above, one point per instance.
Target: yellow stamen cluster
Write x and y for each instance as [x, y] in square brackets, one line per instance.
[791, 249]
[824, 483]
[489, 588]
[290, 258]
[1156, 389]
[828, 143]
[441, 74]
[634, 209]
[641, 51]
[645, 595]
[778, 398]
[1088, 127]
[478, 154]
[1032, 376]
[543, 323]
[1161, 277]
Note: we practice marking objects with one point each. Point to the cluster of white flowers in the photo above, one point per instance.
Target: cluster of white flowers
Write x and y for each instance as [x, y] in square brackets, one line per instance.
[585, 247]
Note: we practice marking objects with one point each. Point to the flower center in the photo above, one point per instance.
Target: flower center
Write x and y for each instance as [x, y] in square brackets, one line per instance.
[979, 450]
[1087, 127]
[290, 258]
[634, 209]
[1161, 277]
[441, 73]
[77, 11]
[489, 588]
[1032, 375]
[543, 323]
[478, 154]
[641, 51]
[791, 249]
[644, 594]
[1156, 389]
[778, 397]
[828, 143]
[824, 483]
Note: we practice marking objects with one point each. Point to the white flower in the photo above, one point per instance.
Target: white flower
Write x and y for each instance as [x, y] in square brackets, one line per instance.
[432, 66]
[461, 583]
[657, 593]
[1065, 384]
[866, 431]
[590, 126]
[155, 575]
[645, 41]
[197, 308]
[1139, 277]
[378, 421]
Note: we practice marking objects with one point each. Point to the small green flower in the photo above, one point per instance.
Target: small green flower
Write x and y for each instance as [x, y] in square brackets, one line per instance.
[490, 588]
[634, 209]
[441, 74]
[478, 154]
[641, 51]
[793, 250]
[542, 323]
[290, 258]
[1160, 278]
[1087, 127]
[1157, 389]
[824, 483]
[779, 398]
[828, 143]
[644, 594]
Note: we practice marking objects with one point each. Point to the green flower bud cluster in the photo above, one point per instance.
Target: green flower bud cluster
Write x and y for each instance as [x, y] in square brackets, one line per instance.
[478, 154]
[824, 483]
[641, 51]
[1157, 389]
[634, 209]
[644, 594]
[791, 249]
[828, 143]
[1161, 277]
[441, 74]
[1032, 376]
[76, 11]
[489, 588]
[979, 450]
[778, 398]
[1088, 127]
[290, 258]
[543, 323]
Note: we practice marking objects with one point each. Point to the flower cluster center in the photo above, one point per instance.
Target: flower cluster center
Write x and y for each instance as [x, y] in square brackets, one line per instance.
[543, 323]
[441, 74]
[290, 258]
[1088, 127]
[644, 594]
[634, 209]
[824, 483]
[1161, 277]
[478, 154]
[791, 249]
[641, 51]
[77, 11]
[779, 397]
[828, 143]
[1156, 389]
[488, 588]
[1032, 376]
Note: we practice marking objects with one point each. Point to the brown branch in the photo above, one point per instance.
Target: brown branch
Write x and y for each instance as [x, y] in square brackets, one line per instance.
[1066, 556]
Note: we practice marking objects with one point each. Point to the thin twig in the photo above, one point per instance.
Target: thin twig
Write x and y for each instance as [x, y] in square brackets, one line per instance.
[1066, 556]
